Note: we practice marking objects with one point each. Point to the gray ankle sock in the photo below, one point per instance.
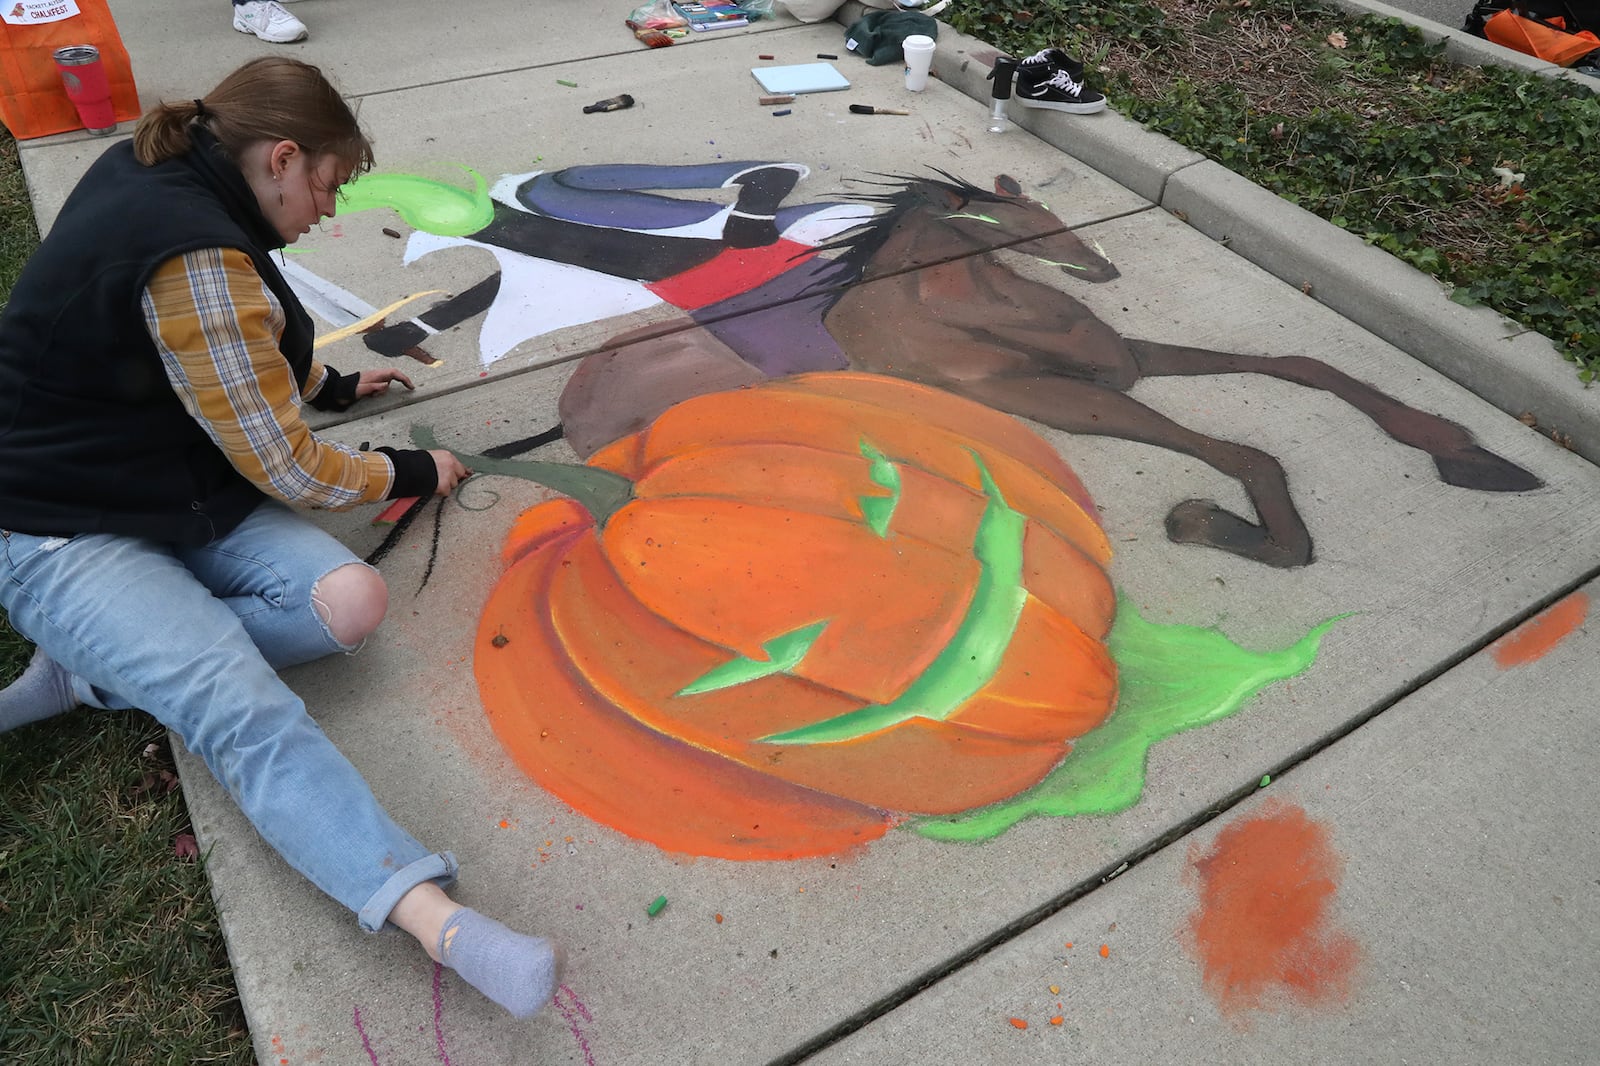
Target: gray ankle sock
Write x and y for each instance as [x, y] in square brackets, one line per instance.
[43, 691]
[516, 971]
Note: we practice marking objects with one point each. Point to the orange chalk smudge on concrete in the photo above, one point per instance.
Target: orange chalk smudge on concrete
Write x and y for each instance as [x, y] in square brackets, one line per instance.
[1019, 1023]
[1105, 951]
[1057, 1020]
[1262, 925]
[1538, 636]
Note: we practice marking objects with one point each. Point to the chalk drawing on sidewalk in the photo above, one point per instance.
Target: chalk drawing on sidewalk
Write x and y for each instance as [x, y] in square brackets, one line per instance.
[1263, 926]
[565, 1001]
[772, 625]
[911, 285]
[590, 242]
[1539, 635]
[785, 619]
[571, 1008]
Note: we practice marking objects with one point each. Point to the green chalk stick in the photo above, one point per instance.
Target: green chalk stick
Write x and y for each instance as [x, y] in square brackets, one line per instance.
[568, 84]
[655, 906]
[1266, 779]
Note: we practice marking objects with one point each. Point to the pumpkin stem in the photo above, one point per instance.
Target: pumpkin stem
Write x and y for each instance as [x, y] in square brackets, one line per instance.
[601, 492]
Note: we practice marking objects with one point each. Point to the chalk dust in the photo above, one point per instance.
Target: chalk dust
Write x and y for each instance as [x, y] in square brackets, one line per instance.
[1539, 635]
[1262, 930]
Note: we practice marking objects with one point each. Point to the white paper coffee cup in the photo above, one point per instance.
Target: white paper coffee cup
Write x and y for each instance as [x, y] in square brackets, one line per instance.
[919, 60]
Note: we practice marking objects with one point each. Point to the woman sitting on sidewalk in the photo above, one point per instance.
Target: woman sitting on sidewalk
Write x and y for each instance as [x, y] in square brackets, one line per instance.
[153, 361]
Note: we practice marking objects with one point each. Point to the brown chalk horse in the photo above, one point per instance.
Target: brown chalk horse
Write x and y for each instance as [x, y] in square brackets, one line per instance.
[970, 324]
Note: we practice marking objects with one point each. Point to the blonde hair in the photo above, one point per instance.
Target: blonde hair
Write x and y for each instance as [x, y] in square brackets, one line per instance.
[272, 98]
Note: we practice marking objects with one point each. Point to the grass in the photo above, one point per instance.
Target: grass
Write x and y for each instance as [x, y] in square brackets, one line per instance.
[109, 946]
[110, 951]
[1477, 176]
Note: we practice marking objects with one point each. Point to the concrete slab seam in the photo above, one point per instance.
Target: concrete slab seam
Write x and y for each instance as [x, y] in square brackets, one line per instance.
[1115, 868]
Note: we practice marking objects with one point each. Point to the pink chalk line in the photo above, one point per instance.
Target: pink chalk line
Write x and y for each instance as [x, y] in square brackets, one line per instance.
[361, 1030]
[438, 1013]
[572, 1012]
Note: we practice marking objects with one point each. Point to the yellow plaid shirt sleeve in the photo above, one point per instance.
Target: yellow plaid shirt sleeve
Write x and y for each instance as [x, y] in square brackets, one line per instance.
[217, 328]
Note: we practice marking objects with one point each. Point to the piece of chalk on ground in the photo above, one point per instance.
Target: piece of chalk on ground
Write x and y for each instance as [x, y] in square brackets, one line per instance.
[780, 114]
[766, 57]
[395, 511]
[826, 55]
[655, 906]
[568, 84]
[769, 101]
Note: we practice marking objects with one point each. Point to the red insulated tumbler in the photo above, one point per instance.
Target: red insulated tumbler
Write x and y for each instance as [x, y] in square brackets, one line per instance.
[85, 78]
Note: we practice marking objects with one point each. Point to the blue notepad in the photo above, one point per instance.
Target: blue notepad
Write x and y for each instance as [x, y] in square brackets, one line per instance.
[800, 78]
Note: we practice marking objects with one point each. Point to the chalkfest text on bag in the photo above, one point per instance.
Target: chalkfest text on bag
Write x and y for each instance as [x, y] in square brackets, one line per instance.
[34, 12]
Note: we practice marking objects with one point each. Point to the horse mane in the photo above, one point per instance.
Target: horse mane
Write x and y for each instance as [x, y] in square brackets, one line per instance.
[856, 246]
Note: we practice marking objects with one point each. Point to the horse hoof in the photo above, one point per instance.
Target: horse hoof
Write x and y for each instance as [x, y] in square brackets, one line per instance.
[1475, 468]
[1203, 522]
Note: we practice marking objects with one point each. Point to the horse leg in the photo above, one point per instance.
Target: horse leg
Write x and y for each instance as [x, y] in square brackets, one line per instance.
[399, 339]
[1459, 459]
[1281, 539]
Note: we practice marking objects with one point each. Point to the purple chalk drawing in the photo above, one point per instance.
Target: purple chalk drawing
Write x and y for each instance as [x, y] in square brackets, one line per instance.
[572, 1012]
[361, 1031]
[438, 1012]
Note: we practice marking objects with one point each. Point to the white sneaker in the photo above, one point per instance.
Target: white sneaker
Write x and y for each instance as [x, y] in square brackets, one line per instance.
[269, 21]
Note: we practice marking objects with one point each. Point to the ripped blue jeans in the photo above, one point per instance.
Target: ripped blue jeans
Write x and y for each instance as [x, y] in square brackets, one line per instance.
[195, 637]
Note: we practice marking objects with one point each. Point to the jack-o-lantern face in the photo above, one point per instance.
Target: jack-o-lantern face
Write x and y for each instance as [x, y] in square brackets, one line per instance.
[830, 601]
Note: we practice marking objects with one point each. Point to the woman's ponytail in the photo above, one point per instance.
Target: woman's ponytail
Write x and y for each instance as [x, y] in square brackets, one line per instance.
[163, 132]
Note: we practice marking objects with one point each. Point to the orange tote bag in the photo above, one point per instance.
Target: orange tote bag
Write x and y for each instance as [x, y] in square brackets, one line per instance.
[1535, 37]
[33, 101]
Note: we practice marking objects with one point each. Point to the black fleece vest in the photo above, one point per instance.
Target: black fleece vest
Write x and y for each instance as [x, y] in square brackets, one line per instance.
[92, 436]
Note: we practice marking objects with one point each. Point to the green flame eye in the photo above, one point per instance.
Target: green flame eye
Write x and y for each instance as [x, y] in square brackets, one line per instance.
[973, 655]
[878, 510]
[784, 653]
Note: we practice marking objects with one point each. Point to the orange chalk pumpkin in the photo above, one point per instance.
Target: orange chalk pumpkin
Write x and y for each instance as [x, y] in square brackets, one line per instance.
[829, 601]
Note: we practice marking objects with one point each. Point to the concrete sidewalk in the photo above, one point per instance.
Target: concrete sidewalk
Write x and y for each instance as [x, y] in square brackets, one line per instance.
[1436, 795]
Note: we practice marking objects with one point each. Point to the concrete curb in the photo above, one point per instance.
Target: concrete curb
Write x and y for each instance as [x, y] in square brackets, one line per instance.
[1517, 370]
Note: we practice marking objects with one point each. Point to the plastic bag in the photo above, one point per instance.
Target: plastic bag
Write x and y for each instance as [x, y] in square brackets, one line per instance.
[657, 15]
[1550, 41]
